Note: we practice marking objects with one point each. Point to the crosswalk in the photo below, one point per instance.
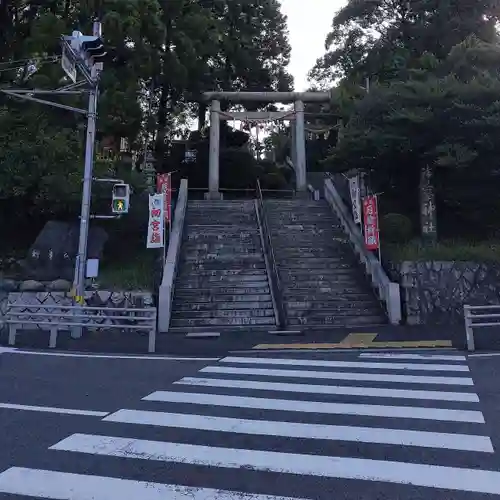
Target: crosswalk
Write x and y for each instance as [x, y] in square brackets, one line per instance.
[257, 428]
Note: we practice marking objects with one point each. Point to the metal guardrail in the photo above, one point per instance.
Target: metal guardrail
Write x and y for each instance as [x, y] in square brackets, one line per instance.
[56, 318]
[474, 317]
[276, 288]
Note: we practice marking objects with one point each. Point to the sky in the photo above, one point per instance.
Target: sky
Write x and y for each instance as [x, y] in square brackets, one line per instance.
[309, 22]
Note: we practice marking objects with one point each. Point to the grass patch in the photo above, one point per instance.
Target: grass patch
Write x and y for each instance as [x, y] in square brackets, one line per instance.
[488, 251]
[136, 274]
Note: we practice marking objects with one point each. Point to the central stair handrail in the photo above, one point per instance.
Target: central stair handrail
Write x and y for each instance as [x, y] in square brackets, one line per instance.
[274, 278]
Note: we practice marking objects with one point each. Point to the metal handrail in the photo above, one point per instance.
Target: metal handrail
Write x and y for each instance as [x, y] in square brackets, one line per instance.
[268, 249]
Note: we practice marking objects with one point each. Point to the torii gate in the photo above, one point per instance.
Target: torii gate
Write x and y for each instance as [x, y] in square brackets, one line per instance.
[298, 130]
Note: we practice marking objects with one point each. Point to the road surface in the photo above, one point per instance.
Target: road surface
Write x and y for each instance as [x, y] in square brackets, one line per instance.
[371, 426]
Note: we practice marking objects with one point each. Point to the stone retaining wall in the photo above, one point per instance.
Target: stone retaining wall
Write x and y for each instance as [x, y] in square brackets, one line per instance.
[435, 292]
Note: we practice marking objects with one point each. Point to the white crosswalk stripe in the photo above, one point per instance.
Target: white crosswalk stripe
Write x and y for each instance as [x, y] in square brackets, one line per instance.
[383, 401]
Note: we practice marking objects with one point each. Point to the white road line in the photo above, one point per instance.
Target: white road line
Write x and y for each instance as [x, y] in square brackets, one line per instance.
[370, 377]
[462, 442]
[414, 412]
[485, 355]
[331, 389]
[422, 357]
[346, 364]
[433, 476]
[14, 350]
[64, 486]
[50, 409]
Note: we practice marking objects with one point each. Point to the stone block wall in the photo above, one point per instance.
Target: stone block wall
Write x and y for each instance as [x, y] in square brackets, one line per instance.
[434, 293]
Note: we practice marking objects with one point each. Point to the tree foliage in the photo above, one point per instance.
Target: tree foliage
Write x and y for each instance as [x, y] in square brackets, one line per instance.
[160, 54]
[432, 103]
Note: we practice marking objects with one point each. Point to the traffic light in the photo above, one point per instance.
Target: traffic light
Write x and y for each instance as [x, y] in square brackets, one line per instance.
[90, 49]
[121, 199]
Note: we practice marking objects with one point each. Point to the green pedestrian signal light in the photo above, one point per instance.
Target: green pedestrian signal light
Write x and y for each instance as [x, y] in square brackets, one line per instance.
[121, 199]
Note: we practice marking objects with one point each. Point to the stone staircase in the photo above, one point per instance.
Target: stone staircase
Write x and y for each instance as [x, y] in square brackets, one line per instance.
[323, 285]
[222, 280]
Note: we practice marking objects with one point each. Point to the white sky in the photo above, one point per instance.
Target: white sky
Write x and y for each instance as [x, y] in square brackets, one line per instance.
[309, 22]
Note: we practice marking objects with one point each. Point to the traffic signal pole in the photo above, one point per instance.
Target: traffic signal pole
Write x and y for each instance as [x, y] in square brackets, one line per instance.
[81, 259]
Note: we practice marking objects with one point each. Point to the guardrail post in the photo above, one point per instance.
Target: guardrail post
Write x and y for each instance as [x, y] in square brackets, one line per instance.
[469, 333]
[53, 337]
[12, 334]
[152, 337]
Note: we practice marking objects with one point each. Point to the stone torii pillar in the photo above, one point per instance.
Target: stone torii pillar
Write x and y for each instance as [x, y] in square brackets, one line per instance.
[213, 162]
[300, 145]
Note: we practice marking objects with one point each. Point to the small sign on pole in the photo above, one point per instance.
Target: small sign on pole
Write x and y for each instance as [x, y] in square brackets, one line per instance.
[371, 227]
[355, 198]
[156, 225]
[68, 65]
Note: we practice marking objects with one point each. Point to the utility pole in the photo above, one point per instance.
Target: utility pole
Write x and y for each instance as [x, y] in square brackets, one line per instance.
[81, 258]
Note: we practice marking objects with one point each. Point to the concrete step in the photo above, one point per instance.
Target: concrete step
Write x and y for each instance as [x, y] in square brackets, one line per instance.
[208, 257]
[324, 225]
[219, 306]
[204, 279]
[247, 287]
[310, 241]
[305, 271]
[334, 289]
[235, 230]
[226, 254]
[203, 323]
[302, 267]
[208, 297]
[224, 313]
[216, 265]
[222, 272]
[220, 245]
[314, 262]
[221, 236]
[339, 321]
[321, 310]
[223, 292]
[316, 283]
[338, 297]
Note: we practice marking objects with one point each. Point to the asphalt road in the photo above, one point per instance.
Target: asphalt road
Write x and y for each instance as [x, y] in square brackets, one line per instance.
[348, 425]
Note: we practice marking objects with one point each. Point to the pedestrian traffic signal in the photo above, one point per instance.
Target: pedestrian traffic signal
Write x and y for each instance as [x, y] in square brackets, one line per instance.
[121, 199]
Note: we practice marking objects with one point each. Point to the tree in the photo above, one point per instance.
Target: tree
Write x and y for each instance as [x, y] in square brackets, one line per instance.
[383, 39]
[410, 130]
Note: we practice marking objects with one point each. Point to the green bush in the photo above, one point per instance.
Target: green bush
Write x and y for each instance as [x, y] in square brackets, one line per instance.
[396, 228]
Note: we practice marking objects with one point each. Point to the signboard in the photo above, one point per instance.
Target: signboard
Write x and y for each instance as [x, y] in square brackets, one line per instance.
[370, 216]
[68, 65]
[156, 224]
[163, 185]
[355, 198]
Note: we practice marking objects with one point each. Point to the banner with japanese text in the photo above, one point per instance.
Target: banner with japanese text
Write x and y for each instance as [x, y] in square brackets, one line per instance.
[370, 218]
[163, 185]
[355, 198]
[156, 224]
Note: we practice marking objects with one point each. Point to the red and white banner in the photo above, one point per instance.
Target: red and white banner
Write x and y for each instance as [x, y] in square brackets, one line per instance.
[156, 224]
[164, 185]
[370, 219]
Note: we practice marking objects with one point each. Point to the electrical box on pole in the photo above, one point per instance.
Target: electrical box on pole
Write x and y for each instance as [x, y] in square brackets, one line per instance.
[121, 199]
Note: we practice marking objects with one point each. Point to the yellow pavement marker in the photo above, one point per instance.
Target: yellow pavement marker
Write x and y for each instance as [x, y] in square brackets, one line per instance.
[359, 341]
